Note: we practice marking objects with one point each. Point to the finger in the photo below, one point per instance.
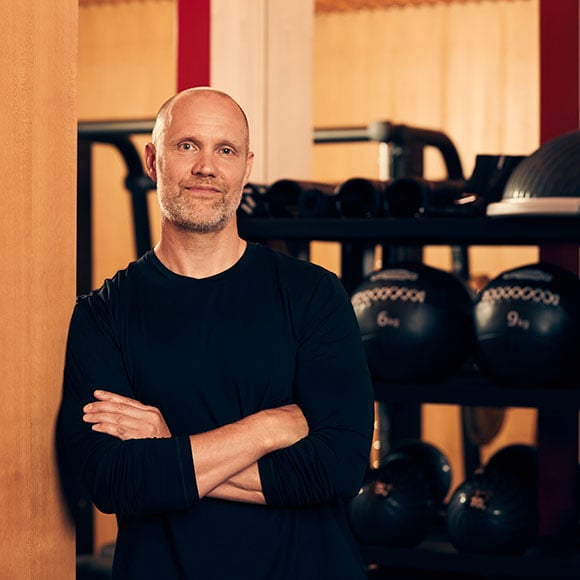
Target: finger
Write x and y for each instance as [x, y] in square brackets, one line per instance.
[125, 427]
[102, 395]
[122, 408]
[115, 430]
[112, 419]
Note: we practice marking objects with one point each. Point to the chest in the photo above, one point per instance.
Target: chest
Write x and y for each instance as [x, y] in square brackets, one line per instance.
[209, 358]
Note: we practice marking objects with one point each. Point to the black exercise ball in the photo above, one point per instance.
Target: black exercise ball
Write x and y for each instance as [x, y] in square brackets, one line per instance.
[492, 513]
[544, 183]
[415, 322]
[527, 327]
[395, 508]
[432, 462]
[518, 460]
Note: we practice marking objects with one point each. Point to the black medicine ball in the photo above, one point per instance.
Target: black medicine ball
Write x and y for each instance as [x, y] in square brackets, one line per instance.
[518, 460]
[492, 513]
[415, 322]
[432, 462]
[527, 326]
[395, 508]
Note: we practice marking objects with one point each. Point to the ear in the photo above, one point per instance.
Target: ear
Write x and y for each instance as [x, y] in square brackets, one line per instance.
[249, 165]
[150, 161]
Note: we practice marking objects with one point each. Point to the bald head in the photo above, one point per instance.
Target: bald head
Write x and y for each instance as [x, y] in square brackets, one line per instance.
[189, 96]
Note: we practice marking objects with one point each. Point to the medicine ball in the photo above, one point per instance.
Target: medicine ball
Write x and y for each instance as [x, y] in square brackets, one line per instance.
[415, 322]
[395, 508]
[527, 327]
[432, 462]
[518, 460]
[492, 513]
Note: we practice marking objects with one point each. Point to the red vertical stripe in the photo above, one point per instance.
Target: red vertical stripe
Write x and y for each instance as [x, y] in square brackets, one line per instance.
[193, 43]
[558, 431]
[559, 63]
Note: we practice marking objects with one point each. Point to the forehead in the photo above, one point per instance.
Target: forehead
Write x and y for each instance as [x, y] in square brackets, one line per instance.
[206, 113]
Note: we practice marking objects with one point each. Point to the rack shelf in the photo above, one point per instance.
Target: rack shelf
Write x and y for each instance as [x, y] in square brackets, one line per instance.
[437, 554]
[471, 389]
[419, 231]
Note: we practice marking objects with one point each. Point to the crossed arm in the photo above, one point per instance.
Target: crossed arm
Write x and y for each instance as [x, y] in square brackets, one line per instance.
[225, 458]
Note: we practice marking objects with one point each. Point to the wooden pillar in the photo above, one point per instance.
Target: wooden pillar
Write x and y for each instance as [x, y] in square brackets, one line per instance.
[37, 262]
[260, 51]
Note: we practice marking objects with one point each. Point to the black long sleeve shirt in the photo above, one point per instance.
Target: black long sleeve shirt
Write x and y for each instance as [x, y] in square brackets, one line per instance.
[269, 331]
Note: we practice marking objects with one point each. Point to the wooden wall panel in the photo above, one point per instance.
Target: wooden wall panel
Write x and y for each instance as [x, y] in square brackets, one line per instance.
[37, 235]
[469, 70]
[127, 68]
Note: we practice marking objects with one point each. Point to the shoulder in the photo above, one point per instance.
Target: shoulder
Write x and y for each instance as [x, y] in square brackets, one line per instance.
[118, 287]
[295, 269]
[303, 282]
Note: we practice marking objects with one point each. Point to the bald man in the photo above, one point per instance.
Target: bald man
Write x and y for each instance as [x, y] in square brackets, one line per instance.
[216, 395]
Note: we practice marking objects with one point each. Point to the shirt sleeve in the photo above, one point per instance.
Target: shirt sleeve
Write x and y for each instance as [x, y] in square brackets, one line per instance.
[134, 477]
[334, 390]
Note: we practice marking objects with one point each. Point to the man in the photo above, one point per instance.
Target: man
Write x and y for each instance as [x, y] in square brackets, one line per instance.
[216, 395]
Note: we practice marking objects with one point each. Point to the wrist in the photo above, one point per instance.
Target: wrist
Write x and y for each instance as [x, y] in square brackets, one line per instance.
[265, 431]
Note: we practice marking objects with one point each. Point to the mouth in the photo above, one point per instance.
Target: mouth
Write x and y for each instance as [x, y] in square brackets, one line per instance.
[202, 189]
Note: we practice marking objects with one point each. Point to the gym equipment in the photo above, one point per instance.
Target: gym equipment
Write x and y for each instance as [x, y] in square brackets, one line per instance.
[318, 201]
[527, 327]
[253, 202]
[360, 198]
[285, 198]
[408, 148]
[545, 183]
[409, 196]
[432, 462]
[492, 513]
[396, 508]
[415, 322]
[518, 460]
[489, 178]
[282, 198]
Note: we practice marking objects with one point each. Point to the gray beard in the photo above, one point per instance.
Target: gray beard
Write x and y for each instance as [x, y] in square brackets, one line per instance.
[197, 227]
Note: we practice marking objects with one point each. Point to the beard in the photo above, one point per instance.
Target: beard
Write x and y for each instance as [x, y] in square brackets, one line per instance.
[198, 215]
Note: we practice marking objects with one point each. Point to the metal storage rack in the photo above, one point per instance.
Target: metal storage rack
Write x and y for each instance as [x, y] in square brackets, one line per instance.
[558, 238]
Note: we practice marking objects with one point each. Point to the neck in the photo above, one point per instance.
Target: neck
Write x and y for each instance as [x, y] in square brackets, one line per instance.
[199, 255]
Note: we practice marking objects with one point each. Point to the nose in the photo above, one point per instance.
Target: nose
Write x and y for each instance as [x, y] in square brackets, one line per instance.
[204, 164]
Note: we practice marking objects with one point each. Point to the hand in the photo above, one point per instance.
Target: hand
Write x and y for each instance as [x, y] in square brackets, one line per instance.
[124, 418]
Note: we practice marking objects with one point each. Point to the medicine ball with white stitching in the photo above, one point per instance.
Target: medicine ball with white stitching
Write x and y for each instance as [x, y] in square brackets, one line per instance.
[527, 325]
[415, 322]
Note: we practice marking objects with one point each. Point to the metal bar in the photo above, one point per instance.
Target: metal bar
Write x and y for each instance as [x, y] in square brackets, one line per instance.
[342, 135]
[94, 129]
[84, 222]
[99, 129]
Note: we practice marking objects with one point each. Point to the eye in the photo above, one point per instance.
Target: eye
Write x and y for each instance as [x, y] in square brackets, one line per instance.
[185, 146]
[227, 150]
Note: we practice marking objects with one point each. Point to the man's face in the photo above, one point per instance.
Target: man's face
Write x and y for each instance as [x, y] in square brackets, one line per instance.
[201, 162]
